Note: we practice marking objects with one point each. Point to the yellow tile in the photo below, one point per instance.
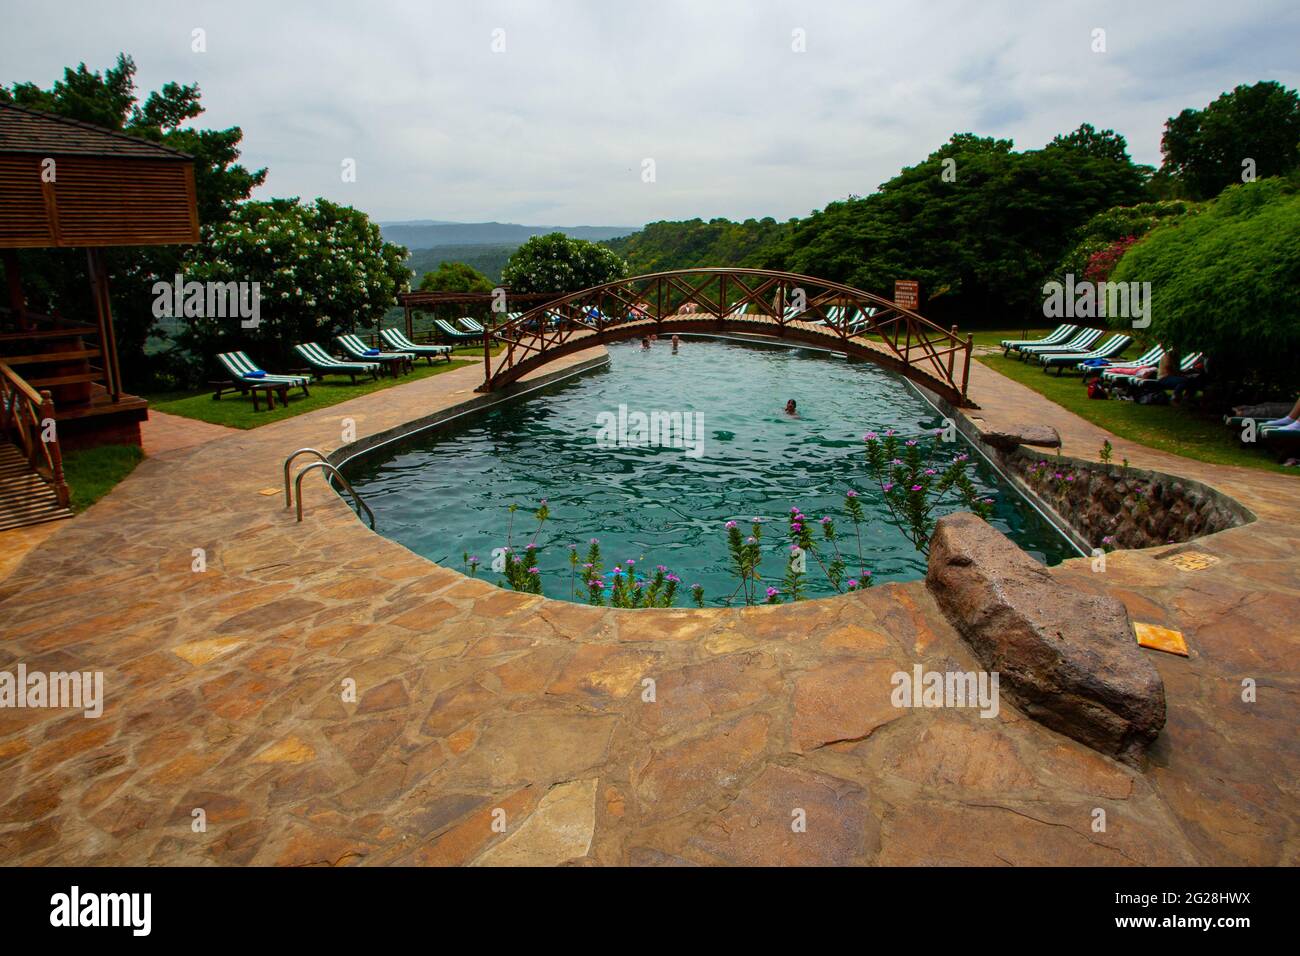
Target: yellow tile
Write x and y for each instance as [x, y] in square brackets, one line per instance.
[1160, 638]
[1193, 561]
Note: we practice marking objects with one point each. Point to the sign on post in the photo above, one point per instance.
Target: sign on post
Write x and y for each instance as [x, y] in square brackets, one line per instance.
[907, 293]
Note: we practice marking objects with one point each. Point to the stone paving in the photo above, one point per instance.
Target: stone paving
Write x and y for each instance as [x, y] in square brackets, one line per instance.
[163, 433]
[494, 728]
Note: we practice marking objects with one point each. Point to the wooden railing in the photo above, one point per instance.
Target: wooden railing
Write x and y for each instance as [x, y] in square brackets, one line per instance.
[27, 417]
[753, 301]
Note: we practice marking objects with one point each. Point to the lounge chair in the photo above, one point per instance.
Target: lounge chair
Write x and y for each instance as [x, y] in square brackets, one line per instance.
[398, 341]
[322, 363]
[395, 361]
[455, 334]
[861, 322]
[1057, 337]
[473, 325]
[1131, 378]
[1149, 359]
[1082, 342]
[1108, 349]
[247, 378]
[1265, 412]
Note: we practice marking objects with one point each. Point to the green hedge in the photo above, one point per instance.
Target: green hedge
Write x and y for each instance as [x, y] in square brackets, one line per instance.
[1227, 282]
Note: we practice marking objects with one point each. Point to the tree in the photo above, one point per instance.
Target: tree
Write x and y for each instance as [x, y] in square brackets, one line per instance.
[455, 277]
[978, 224]
[556, 263]
[1204, 150]
[1112, 229]
[322, 268]
[1227, 282]
[56, 279]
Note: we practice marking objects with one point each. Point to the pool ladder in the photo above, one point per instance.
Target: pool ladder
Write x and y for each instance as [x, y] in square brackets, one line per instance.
[324, 465]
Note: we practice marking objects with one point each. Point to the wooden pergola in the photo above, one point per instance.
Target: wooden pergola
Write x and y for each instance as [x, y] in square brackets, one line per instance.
[69, 184]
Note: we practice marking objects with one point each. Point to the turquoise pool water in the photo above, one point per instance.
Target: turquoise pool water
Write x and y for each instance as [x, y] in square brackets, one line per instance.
[446, 493]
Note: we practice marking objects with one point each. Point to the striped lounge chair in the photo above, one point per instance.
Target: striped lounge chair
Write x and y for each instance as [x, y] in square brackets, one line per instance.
[1057, 337]
[1085, 340]
[1148, 359]
[1107, 350]
[247, 378]
[455, 334]
[396, 339]
[322, 363]
[359, 351]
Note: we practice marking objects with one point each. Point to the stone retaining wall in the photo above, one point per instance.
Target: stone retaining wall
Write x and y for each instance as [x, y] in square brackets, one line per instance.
[1111, 506]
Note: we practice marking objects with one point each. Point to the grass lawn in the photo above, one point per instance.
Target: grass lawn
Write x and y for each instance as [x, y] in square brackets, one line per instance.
[92, 472]
[236, 411]
[1177, 429]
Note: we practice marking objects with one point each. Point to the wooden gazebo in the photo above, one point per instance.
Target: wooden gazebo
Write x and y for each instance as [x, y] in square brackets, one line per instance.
[69, 184]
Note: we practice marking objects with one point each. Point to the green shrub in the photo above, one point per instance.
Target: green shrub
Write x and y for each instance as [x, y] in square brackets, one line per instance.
[1227, 282]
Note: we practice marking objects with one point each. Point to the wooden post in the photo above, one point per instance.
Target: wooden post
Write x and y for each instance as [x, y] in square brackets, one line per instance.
[13, 278]
[487, 356]
[965, 375]
[52, 447]
[952, 355]
[104, 313]
[410, 329]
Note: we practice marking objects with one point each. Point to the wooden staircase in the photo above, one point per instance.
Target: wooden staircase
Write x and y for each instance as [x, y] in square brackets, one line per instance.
[25, 497]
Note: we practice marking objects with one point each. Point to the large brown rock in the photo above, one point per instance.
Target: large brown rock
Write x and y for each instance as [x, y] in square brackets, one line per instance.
[1044, 436]
[1067, 659]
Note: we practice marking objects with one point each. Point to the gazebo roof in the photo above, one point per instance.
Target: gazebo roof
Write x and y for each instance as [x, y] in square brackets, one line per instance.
[24, 130]
[68, 183]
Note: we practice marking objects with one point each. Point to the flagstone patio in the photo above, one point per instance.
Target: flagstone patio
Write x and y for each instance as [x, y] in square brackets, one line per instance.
[490, 727]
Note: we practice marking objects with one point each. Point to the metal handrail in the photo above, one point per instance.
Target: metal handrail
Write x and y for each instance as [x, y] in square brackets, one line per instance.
[288, 501]
[361, 505]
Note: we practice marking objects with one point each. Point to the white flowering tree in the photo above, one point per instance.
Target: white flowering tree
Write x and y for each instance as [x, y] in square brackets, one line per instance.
[557, 263]
[322, 268]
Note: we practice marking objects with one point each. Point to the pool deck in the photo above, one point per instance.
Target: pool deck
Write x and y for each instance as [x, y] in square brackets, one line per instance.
[489, 727]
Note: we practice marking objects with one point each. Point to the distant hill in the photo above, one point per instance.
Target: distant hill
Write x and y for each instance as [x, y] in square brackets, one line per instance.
[487, 259]
[429, 233]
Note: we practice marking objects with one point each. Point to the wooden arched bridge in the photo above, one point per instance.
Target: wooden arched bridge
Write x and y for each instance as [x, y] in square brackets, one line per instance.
[780, 305]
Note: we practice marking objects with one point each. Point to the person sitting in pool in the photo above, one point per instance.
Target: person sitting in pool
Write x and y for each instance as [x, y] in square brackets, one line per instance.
[791, 409]
[645, 343]
[676, 342]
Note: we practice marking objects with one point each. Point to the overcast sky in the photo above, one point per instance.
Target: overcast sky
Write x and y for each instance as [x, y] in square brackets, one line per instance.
[555, 129]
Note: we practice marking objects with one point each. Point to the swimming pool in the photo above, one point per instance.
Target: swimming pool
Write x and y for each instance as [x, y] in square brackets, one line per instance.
[730, 453]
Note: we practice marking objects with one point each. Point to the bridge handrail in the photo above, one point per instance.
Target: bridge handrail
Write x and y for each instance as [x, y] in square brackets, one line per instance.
[916, 342]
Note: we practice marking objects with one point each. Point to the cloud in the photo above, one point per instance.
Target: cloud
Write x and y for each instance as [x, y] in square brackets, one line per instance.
[554, 129]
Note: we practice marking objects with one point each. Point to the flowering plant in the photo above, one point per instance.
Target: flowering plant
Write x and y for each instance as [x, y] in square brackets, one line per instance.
[913, 487]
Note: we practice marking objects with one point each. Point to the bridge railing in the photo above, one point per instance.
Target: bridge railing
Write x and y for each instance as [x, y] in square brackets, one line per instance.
[771, 303]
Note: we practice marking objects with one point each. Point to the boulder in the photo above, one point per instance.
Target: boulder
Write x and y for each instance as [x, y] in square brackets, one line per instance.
[1067, 659]
[1006, 439]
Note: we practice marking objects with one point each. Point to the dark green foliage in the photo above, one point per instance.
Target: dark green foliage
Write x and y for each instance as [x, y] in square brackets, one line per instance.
[1204, 149]
[1227, 282]
[979, 240]
[663, 246]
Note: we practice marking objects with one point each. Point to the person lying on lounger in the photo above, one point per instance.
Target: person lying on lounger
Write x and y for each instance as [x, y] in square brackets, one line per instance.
[1288, 423]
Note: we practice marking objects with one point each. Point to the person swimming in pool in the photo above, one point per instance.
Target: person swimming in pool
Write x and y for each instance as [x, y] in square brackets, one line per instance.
[791, 409]
[645, 343]
[676, 342]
